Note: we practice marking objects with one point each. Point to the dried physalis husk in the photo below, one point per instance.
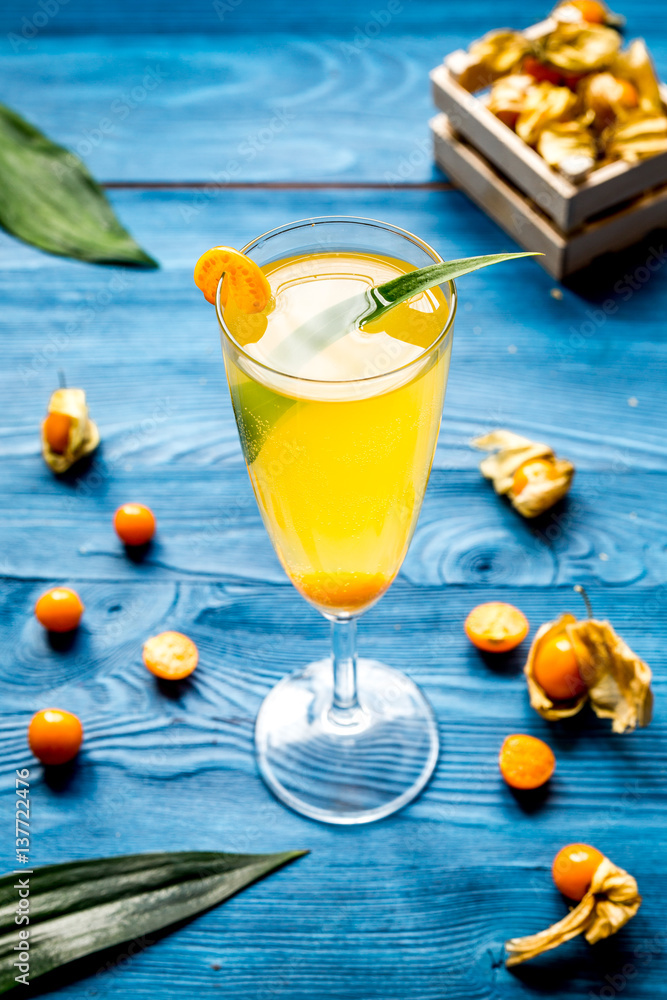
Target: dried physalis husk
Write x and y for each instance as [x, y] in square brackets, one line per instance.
[609, 97]
[82, 436]
[495, 55]
[618, 683]
[563, 140]
[511, 452]
[580, 48]
[612, 899]
[572, 13]
[635, 64]
[508, 97]
[635, 139]
[544, 103]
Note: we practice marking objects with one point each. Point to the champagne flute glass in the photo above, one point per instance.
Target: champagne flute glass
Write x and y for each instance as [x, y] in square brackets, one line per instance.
[339, 439]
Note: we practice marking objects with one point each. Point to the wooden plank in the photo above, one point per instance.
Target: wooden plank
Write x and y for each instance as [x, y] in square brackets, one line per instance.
[609, 532]
[158, 337]
[232, 16]
[561, 254]
[436, 889]
[225, 17]
[230, 108]
[419, 905]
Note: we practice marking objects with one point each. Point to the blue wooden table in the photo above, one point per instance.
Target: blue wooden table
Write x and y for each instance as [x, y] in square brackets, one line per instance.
[210, 123]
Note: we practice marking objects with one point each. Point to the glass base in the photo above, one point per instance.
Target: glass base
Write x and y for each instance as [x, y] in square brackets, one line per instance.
[352, 766]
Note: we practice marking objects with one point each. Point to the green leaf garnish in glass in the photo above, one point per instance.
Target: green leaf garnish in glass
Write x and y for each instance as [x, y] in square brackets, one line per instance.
[328, 326]
[49, 199]
[262, 407]
[85, 906]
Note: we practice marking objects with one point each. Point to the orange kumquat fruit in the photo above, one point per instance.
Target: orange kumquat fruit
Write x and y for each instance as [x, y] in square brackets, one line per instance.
[526, 762]
[574, 867]
[134, 523]
[55, 736]
[59, 609]
[56, 431]
[496, 627]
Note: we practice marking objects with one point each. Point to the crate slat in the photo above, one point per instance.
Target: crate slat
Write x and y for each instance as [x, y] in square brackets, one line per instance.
[531, 228]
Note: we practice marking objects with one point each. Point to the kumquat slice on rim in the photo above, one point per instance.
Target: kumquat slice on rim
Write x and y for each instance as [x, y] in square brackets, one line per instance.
[247, 282]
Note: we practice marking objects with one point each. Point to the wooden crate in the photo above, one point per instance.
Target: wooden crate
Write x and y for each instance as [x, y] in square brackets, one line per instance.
[569, 205]
[525, 222]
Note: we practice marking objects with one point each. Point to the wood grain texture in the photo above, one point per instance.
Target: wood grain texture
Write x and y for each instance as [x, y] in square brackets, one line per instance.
[417, 906]
[229, 108]
[422, 17]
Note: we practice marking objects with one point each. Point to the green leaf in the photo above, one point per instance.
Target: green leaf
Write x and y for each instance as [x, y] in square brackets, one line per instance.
[83, 907]
[258, 408]
[334, 322]
[386, 296]
[49, 199]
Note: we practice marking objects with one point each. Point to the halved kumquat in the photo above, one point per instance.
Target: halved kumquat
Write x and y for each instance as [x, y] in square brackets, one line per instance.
[526, 762]
[496, 627]
[170, 655]
[247, 282]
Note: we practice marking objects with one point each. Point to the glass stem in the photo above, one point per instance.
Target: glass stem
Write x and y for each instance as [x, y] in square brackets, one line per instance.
[345, 708]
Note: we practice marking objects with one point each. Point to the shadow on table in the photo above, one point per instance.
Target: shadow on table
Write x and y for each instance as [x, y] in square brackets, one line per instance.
[531, 800]
[553, 971]
[60, 777]
[619, 276]
[505, 663]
